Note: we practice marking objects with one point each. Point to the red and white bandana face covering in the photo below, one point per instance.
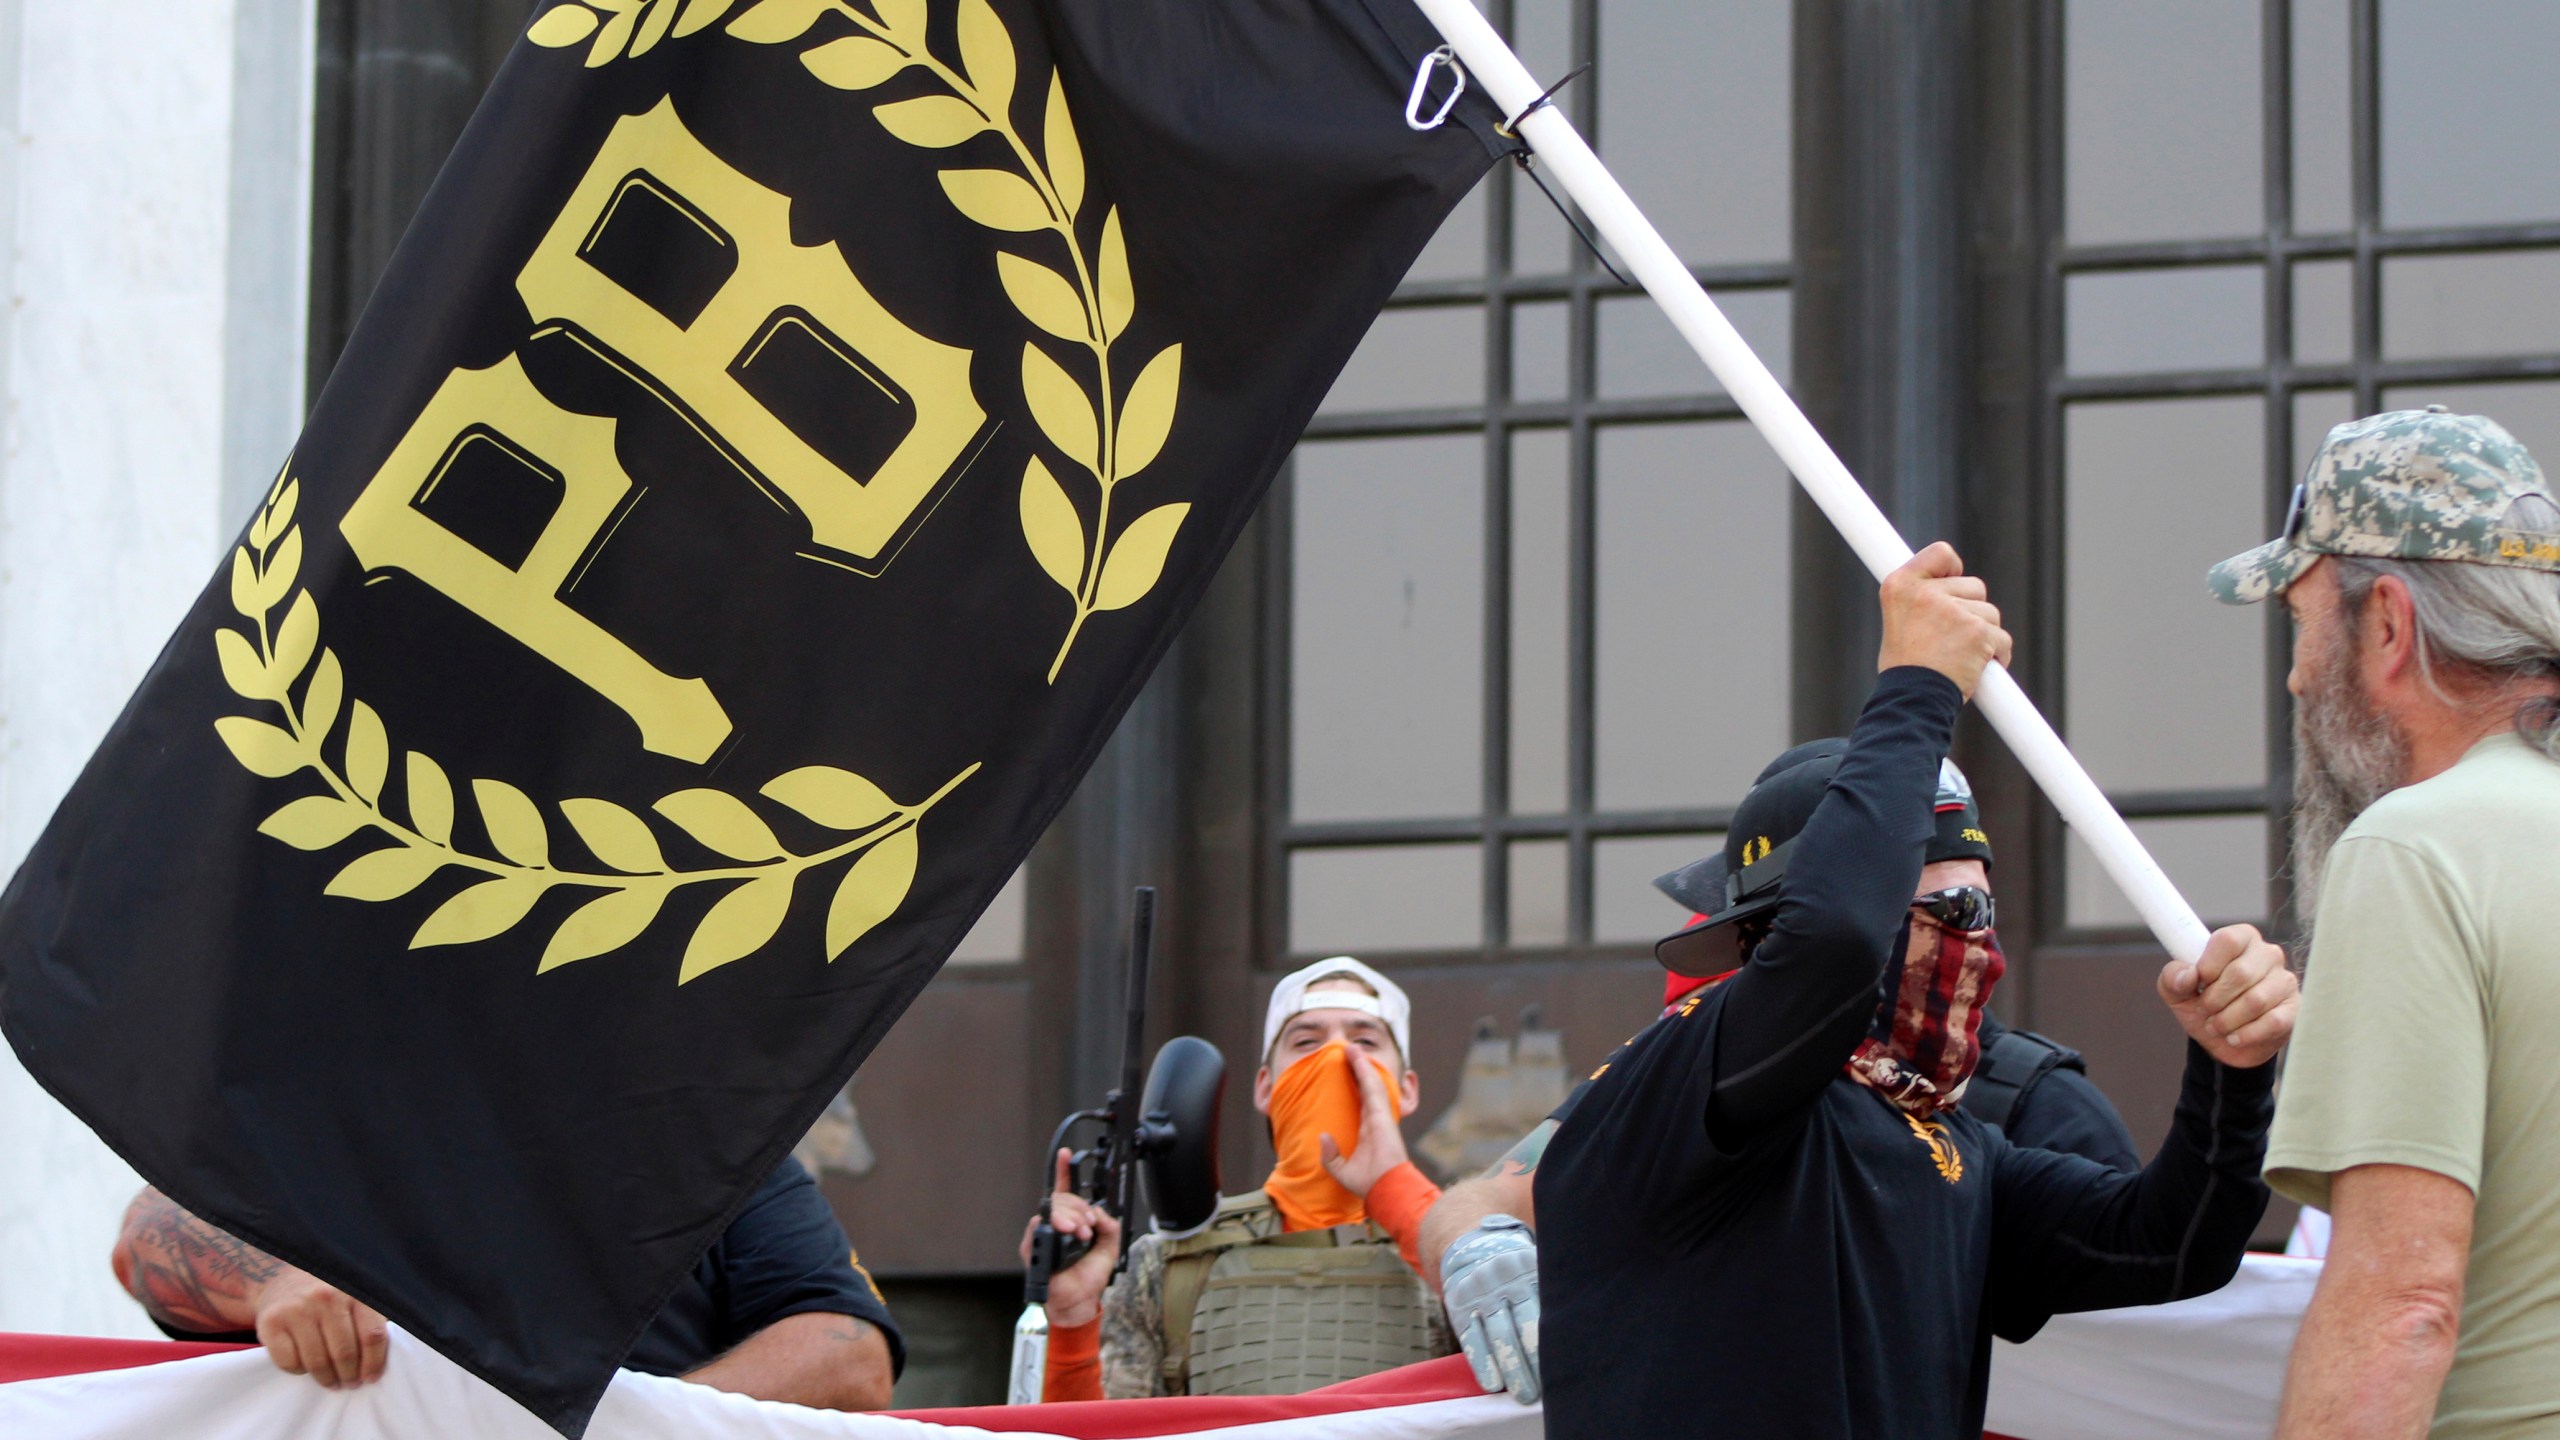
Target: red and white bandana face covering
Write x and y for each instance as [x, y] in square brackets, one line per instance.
[1924, 1045]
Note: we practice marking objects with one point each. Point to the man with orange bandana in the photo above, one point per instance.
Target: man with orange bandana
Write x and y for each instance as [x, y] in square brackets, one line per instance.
[1227, 1309]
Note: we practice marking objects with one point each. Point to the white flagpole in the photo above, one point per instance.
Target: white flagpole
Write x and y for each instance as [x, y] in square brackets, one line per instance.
[1490, 63]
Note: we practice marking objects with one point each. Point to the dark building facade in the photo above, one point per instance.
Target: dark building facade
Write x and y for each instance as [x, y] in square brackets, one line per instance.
[2077, 286]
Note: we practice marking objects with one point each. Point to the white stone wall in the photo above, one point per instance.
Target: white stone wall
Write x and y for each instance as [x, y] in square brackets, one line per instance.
[154, 182]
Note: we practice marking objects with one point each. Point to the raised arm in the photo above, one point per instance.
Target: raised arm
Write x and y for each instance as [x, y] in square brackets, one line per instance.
[1791, 1016]
[1757, 1050]
[1076, 1294]
[1398, 1195]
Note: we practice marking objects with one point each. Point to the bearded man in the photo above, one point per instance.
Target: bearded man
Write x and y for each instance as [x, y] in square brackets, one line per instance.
[1768, 1215]
[2421, 1108]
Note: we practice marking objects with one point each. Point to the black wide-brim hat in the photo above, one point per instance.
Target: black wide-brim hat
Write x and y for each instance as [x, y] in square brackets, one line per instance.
[1744, 879]
[1741, 881]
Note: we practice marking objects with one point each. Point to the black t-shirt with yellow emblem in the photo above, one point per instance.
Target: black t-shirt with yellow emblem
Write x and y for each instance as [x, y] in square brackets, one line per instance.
[784, 1255]
[1736, 1239]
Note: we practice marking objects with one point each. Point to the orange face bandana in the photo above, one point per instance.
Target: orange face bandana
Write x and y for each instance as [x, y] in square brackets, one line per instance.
[1316, 1097]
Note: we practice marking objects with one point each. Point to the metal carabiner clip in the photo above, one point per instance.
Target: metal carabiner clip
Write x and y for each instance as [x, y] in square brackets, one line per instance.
[1422, 89]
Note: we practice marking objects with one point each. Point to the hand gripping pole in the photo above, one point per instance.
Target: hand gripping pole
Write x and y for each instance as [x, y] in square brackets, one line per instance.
[1808, 457]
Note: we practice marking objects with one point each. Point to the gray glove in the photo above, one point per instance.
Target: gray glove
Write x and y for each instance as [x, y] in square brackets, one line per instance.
[1489, 1282]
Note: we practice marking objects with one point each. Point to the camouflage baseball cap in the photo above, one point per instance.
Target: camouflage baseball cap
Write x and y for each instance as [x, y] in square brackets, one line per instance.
[2410, 485]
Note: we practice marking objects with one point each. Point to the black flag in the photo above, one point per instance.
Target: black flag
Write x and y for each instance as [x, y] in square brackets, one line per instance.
[786, 439]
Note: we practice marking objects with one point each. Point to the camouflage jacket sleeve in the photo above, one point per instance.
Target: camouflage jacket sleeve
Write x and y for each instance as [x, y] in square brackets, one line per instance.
[1133, 1326]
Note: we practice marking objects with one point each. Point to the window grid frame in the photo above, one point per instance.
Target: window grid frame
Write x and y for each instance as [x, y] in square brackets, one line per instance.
[1582, 286]
[2278, 380]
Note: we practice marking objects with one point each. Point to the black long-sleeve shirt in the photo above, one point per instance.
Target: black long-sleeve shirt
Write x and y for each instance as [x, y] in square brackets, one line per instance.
[1736, 1239]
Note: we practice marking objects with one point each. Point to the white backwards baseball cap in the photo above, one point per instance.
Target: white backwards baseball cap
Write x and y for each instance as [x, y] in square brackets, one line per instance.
[1290, 997]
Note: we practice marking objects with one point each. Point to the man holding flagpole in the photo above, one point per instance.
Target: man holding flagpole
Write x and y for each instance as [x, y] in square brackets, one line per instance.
[1769, 1211]
[2035, 1091]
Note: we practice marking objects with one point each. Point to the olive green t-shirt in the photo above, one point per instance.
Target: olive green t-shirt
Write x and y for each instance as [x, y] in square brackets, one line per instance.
[2430, 1037]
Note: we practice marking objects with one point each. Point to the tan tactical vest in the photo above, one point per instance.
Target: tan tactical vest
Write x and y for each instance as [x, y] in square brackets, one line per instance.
[1249, 1310]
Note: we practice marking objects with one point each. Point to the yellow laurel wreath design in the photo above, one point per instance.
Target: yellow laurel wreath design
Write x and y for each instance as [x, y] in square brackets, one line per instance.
[265, 660]
[1942, 1148]
[632, 27]
[1108, 434]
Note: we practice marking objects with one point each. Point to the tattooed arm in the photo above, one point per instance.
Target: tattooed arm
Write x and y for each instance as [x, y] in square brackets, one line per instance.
[1502, 1190]
[199, 1280]
[1483, 1253]
[188, 1275]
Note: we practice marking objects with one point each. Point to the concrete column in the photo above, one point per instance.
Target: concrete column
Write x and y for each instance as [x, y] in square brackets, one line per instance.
[154, 194]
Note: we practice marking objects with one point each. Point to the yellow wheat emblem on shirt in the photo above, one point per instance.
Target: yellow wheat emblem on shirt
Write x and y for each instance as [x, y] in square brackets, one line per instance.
[1942, 1149]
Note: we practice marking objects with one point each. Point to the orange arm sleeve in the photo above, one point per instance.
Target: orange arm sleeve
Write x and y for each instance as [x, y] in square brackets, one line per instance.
[1397, 1202]
[1074, 1369]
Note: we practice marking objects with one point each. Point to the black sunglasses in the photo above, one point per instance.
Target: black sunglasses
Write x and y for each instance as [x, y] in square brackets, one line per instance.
[2294, 513]
[1964, 907]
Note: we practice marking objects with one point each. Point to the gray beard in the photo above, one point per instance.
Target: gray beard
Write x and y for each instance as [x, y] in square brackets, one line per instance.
[2346, 755]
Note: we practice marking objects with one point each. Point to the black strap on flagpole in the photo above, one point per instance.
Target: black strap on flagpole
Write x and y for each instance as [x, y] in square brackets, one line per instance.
[1524, 158]
[1545, 98]
[1588, 242]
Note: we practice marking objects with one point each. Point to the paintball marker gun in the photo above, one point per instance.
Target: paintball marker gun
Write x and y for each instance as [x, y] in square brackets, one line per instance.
[1169, 1129]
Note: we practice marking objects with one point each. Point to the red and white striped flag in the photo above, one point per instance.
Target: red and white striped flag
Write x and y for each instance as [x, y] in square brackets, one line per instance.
[2209, 1368]
[110, 1390]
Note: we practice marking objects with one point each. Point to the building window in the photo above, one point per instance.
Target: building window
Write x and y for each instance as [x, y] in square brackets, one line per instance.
[2269, 223]
[1001, 934]
[1531, 595]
